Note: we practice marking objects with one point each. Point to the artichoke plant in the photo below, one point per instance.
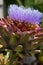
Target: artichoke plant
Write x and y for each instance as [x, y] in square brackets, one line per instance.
[21, 34]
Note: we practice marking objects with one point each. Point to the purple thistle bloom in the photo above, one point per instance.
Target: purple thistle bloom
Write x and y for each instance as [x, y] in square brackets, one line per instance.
[22, 14]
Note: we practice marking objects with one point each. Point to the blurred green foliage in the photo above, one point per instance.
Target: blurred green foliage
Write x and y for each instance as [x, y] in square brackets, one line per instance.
[37, 4]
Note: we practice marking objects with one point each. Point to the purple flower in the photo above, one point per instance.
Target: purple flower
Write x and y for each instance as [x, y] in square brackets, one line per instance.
[22, 14]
